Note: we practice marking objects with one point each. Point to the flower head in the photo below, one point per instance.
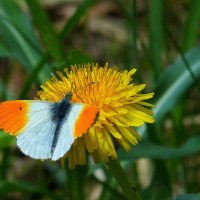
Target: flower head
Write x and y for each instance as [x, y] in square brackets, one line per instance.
[121, 107]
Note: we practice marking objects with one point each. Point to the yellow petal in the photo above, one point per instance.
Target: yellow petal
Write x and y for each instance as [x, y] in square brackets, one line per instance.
[113, 131]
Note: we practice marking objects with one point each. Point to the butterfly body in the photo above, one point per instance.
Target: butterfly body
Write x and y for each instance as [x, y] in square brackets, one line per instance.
[46, 130]
[60, 109]
[59, 114]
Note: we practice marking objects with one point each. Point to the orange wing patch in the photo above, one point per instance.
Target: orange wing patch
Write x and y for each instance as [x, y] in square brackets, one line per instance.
[85, 120]
[13, 116]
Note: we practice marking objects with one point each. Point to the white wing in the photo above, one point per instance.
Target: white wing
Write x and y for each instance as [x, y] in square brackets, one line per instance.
[66, 134]
[37, 137]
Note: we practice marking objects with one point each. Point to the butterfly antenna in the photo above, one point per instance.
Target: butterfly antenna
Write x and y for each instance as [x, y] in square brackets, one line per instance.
[73, 88]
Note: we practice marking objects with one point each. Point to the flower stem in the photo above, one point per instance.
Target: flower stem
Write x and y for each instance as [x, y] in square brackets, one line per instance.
[121, 177]
[77, 182]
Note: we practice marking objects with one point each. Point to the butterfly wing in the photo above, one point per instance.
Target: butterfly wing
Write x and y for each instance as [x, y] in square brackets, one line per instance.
[36, 129]
[13, 116]
[79, 119]
[31, 122]
[37, 137]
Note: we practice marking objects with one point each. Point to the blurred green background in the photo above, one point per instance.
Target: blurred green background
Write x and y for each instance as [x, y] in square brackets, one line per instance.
[160, 38]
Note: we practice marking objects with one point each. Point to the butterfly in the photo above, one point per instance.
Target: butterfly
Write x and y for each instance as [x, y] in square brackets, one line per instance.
[44, 129]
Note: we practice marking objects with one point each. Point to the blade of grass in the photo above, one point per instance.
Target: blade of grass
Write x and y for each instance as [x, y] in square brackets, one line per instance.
[156, 35]
[160, 152]
[188, 197]
[129, 10]
[73, 21]
[134, 32]
[46, 30]
[192, 25]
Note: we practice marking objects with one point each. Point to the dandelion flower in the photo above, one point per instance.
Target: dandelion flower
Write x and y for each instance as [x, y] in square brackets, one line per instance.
[120, 104]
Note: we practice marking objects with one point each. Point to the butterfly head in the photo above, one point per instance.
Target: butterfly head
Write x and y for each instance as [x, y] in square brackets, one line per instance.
[68, 97]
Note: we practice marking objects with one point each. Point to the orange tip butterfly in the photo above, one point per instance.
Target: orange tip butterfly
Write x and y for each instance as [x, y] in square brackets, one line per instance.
[46, 130]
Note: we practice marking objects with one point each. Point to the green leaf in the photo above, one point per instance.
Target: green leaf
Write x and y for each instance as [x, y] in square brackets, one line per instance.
[18, 36]
[147, 149]
[175, 81]
[17, 44]
[188, 197]
[173, 84]
[12, 12]
[15, 28]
